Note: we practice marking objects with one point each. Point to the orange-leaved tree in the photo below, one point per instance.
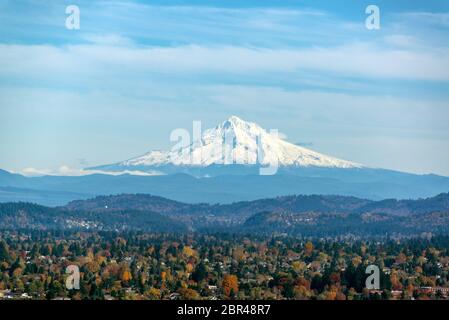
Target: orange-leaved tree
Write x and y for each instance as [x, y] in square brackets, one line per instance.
[230, 285]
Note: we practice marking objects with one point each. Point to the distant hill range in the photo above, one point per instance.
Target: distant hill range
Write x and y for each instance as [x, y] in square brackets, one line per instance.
[374, 184]
[313, 215]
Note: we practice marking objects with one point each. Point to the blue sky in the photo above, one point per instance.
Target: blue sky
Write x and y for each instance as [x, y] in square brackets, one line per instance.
[135, 71]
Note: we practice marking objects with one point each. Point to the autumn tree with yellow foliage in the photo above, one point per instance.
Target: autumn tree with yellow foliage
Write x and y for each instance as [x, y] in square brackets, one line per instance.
[230, 285]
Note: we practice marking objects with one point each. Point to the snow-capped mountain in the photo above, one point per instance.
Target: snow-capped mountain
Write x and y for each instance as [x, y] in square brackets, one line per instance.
[237, 142]
[226, 164]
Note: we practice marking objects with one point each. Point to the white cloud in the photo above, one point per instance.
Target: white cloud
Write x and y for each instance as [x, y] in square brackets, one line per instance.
[317, 111]
[108, 39]
[72, 172]
[79, 62]
[33, 172]
[401, 40]
[434, 18]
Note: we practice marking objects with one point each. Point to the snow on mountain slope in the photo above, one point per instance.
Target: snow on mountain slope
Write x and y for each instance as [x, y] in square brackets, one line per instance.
[239, 142]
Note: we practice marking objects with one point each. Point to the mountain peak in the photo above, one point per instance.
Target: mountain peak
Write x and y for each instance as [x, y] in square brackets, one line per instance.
[236, 141]
[235, 120]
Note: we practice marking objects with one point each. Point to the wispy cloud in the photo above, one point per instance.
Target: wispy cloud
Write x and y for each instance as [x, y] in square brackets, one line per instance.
[440, 19]
[357, 59]
[72, 172]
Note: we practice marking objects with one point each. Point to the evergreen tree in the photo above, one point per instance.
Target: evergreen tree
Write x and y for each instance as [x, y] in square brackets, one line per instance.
[200, 272]
[4, 253]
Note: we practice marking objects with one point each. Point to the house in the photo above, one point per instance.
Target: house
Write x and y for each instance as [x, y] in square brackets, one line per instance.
[433, 290]
[175, 296]
[396, 294]
[5, 294]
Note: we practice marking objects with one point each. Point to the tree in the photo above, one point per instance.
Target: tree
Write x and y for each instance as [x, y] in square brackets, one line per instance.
[302, 292]
[299, 266]
[401, 258]
[126, 276]
[238, 254]
[188, 251]
[153, 294]
[189, 268]
[188, 294]
[4, 253]
[200, 273]
[230, 284]
[395, 283]
[308, 248]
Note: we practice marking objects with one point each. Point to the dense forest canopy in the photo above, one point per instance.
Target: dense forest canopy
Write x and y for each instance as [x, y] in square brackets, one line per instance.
[138, 265]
